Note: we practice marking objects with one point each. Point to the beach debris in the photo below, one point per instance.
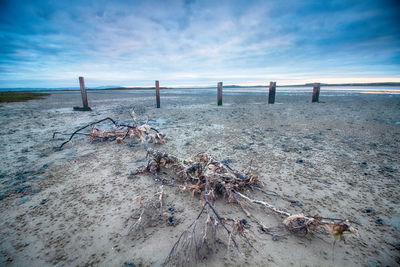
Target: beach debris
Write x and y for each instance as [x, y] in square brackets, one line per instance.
[209, 179]
[143, 132]
[151, 210]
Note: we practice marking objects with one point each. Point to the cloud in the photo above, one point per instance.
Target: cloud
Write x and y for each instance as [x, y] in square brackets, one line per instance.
[195, 42]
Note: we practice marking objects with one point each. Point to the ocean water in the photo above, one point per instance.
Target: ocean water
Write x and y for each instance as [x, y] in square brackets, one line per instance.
[325, 90]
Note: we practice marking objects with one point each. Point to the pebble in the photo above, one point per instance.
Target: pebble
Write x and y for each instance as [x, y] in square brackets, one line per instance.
[43, 201]
[117, 173]
[296, 203]
[131, 175]
[299, 161]
[307, 148]
[389, 169]
[240, 147]
[379, 221]
[1, 196]
[226, 161]
[368, 211]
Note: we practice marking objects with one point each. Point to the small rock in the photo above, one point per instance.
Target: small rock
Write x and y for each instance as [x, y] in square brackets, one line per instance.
[275, 238]
[128, 264]
[389, 169]
[240, 147]
[295, 203]
[1, 196]
[261, 144]
[117, 173]
[11, 131]
[132, 175]
[299, 161]
[226, 161]
[371, 263]
[379, 221]
[172, 221]
[187, 144]
[43, 201]
[171, 209]
[363, 165]
[368, 211]
[307, 148]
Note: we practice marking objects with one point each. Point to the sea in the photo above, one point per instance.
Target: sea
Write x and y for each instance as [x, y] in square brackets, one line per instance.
[259, 90]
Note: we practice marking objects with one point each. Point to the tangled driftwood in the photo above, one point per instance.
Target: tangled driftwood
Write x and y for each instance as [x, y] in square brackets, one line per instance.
[210, 179]
[144, 132]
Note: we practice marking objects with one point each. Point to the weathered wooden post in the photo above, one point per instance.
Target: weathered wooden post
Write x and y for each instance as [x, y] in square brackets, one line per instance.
[158, 93]
[315, 95]
[84, 97]
[219, 97]
[272, 89]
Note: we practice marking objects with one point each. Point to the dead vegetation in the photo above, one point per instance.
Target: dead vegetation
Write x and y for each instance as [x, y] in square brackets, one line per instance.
[208, 179]
[205, 177]
[143, 132]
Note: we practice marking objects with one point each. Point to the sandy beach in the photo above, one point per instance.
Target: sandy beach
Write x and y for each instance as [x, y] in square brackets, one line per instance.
[339, 158]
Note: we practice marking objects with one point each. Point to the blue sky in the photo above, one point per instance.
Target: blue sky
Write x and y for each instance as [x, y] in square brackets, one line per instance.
[133, 43]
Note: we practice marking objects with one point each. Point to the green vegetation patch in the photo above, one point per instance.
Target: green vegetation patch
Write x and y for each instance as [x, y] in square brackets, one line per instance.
[20, 96]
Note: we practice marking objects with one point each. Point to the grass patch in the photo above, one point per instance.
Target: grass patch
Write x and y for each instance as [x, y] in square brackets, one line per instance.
[6, 97]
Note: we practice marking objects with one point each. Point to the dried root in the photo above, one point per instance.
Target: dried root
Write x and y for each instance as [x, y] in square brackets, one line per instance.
[302, 224]
[144, 132]
[209, 179]
[151, 210]
[193, 172]
[194, 244]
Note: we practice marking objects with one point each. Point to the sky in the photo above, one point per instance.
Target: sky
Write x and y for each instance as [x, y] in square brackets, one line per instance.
[197, 43]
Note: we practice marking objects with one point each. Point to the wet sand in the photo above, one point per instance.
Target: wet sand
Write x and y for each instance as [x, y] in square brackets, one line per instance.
[339, 158]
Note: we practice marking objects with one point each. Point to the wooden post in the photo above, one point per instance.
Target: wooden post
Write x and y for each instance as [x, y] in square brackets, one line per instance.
[84, 97]
[219, 97]
[315, 95]
[272, 89]
[83, 92]
[158, 93]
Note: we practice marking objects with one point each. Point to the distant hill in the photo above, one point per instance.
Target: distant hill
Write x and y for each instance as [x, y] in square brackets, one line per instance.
[347, 84]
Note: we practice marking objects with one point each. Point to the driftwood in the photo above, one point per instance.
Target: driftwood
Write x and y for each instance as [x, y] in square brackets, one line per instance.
[209, 179]
[144, 132]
